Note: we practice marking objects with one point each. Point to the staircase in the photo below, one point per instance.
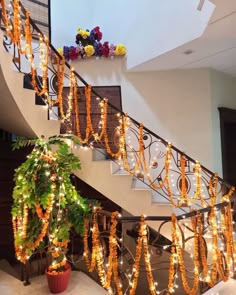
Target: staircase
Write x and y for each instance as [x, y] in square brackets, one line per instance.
[28, 119]
[20, 115]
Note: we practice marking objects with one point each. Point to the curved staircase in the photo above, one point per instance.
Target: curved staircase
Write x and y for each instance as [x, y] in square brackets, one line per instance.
[28, 119]
[20, 115]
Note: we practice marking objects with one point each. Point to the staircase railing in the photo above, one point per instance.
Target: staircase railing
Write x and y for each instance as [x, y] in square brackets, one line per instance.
[173, 175]
[148, 255]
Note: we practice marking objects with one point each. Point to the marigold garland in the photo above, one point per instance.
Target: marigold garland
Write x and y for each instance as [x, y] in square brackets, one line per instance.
[180, 257]
[113, 257]
[5, 20]
[65, 116]
[124, 121]
[213, 189]
[60, 72]
[97, 256]
[97, 259]
[20, 222]
[44, 55]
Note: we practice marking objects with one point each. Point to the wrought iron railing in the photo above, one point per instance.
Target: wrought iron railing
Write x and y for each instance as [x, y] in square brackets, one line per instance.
[172, 175]
[133, 238]
[175, 176]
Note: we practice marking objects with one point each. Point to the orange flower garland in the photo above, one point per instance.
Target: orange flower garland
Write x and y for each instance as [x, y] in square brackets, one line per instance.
[5, 20]
[124, 123]
[44, 53]
[173, 256]
[97, 256]
[60, 84]
[113, 257]
[213, 189]
[20, 223]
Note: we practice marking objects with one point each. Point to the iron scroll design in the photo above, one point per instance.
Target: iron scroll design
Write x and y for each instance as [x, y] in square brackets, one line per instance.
[151, 171]
[159, 250]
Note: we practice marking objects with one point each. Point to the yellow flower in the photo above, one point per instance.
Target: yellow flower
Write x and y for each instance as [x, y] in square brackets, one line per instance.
[89, 50]
[120, 49]
[84, 33]
[60, 51]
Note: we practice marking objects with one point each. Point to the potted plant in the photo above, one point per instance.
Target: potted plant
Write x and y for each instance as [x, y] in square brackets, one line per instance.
[46, 205]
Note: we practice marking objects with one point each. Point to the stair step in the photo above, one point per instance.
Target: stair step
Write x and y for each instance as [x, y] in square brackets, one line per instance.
[99, 154]
[116, 169]
[138, 184]
[97, 170]
[32, 118]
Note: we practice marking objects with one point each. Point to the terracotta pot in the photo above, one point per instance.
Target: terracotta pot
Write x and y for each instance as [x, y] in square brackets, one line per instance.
[58, 283]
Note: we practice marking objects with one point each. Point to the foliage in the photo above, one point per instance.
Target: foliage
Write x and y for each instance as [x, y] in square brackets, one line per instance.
[46, 204]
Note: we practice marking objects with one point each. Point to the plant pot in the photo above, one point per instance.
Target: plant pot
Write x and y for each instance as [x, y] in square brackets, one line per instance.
[58, 283]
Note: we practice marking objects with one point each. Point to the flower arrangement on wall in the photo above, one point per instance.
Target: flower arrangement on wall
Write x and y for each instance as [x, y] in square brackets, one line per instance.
[89, 43]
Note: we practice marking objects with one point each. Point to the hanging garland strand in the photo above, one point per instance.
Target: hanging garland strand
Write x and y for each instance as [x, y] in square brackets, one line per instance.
[5, 20]
[113, 257]
[124, 121]
[60, 72]
[44, 55]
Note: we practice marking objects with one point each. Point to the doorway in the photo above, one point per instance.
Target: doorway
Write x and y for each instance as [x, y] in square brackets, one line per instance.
[228, 144]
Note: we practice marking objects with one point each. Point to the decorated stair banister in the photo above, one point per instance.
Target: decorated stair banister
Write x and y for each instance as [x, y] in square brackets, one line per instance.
[178, 217]
[175, 177]
[159, 250]
[202, 175]
[147, 132]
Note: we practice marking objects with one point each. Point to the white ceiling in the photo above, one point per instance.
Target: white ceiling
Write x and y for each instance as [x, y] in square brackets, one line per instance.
[216, 48]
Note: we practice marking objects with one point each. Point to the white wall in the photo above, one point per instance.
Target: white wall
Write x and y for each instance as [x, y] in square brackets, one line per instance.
[175, 104]
[148, 28]
[180, 106]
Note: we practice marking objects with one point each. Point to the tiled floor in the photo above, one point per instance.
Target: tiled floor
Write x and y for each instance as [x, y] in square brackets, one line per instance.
[79, 284]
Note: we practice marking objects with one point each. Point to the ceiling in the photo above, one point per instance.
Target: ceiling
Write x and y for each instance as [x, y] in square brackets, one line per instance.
[216, 48]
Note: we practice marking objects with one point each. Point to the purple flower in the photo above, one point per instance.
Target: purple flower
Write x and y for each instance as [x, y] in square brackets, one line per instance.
[66, 51]
[98, 49]
[92, 37]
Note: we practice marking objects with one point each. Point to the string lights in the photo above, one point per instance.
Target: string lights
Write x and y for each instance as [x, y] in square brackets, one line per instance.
[222, 260]
[139, 165]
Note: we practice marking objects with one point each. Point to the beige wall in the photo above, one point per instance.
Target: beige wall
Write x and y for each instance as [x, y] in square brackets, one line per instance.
[180, 105]
[175, 104]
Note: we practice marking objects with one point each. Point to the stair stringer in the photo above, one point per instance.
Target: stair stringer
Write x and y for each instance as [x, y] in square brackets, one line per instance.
[118, 188]
[19, 114]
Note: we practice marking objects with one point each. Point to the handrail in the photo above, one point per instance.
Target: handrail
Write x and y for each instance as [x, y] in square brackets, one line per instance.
[98, 95]
[218, 235]
[179, 217]
[165, 189]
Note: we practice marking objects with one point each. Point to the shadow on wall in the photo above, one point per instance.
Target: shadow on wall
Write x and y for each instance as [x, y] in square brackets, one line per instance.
[136, 90]
[170, 103]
